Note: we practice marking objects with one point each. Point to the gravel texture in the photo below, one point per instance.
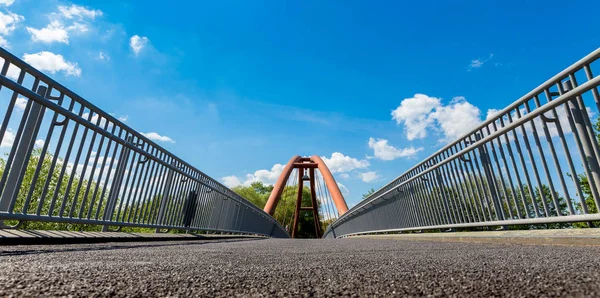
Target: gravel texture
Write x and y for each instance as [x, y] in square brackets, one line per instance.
[284, 267]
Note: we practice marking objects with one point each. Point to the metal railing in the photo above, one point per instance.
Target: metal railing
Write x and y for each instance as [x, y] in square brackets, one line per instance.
[66, 161]
[535, 162]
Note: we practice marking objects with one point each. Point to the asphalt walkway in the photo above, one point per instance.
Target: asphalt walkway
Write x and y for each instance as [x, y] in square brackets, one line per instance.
[285, 267]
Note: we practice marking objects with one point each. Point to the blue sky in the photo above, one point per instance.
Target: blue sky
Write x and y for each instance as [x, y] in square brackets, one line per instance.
[238, 87]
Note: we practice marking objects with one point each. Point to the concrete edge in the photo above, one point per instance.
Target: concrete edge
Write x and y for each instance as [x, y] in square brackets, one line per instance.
[33, 237]
[579, 237]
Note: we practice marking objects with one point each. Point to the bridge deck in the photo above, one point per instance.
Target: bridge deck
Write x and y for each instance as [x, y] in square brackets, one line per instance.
[284, 267]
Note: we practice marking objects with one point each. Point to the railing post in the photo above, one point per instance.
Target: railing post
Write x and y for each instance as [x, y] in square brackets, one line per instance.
[113, 194]
[590, 159]
[164, 198]
[190, 208]
[23, 153]
[488, 172]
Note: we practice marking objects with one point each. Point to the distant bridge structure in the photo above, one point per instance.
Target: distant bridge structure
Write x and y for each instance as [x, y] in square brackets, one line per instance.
[325, 196]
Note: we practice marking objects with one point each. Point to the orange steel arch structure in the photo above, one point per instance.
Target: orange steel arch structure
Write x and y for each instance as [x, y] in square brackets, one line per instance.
[310, 163]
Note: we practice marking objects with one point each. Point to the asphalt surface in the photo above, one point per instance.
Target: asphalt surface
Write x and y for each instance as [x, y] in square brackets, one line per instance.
[272, 267]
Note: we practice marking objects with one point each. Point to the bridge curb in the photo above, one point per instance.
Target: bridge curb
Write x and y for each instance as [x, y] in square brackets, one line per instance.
[29, 237]
[528, 237]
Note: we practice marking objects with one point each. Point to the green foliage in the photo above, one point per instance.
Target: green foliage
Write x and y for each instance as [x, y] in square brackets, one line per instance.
[258, 194]
[76, 197]
[79, 198]
[371, 191]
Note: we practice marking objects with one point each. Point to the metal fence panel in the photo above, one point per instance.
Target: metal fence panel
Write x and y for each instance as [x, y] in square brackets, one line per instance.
[64, 160]
[535, 162]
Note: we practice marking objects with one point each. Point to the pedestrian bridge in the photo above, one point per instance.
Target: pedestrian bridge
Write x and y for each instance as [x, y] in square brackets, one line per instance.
[67, 164]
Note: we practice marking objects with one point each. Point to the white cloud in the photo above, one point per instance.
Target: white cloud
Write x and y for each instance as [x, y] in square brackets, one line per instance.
[80, 12]
[457, 118]
[231, 181]
[39, 143]
[3, 42]
[94, 119]
[421, 112]
[343, 188]
[48, 61]
[339, 163]
[8, 140]
[344, 176]
[384, 151]
[265, 176]
[9, 21]
[21, 103]
[491, 113]
[368, 176]
[13, 72]
[123, 118]
[413, 113]
[156, 137]
[7, 2]
[268, 177]
[137, 43]
[54, 32]
[78, 27]
[479, 62]
[103, 56]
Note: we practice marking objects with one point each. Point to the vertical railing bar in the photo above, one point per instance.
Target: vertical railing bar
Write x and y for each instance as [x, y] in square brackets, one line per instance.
[162, 177]
[458, 192]
[485, 191]
[85, 165]
[166, 192]
[54, 161]
[75, 165]
[425, 208]
[41, 160]
[118, 181]
[128, 181]
[499, 177]
[148, 189]
[544, 164]
[508, 173]
[588, 74]
[137, 196]
[536, 174]
[516, 170]
[24, 148]
[64, 165]
[586, 120]
[567, 156]
[101, 174]
[525, 172]
[13, 149]
[444, 182]
[457, 181]
[94, 167]
[441, 216]
[107, 179]
[582, 141]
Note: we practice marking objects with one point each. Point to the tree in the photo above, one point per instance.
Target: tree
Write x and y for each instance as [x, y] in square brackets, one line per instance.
[258, 194]
[370, 192]
[77, 197]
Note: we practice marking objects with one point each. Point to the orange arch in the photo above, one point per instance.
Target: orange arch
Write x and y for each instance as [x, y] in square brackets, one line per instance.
[278, 187]
[332, 186]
